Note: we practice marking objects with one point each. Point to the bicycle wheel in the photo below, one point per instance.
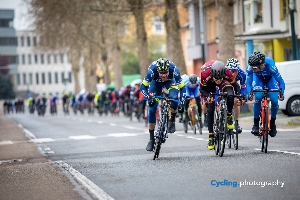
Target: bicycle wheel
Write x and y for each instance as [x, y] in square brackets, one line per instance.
[185, 124]
[216, 132]
[266, 128]
[223, 132]
[235, 136]
[228, 138]
[261, 130]
[157, 141]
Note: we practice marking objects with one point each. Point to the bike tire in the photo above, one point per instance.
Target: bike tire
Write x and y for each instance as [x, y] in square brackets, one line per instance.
[266, 127]
[261, 131]
[228, 139]
[235, 135]
[216, 133]
[223, 132]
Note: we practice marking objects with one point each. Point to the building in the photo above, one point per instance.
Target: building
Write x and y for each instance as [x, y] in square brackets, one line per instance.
[42, 72]
[8, 42]
[260, 25]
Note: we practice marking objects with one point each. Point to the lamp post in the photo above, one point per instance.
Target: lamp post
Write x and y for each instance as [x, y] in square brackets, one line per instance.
[295, 46]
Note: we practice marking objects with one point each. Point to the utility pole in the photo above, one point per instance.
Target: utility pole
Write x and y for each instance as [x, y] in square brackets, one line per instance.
[295, 46]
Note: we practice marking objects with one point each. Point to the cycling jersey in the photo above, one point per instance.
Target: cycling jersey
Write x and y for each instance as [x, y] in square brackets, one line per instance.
[269, 77]
[190, 89]
[153, 74]
[241, 76]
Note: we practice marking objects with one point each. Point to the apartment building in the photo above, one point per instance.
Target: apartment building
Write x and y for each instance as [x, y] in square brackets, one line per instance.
[260, 25]
[42, 72]
[8, 42]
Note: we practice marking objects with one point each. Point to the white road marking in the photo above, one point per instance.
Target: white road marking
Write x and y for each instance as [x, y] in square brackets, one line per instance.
[121, 134]
[92, 188]
[112, 124]
[100, 122]
[130, 127]
[28, 134]
[82, 137]
[41, 140]
[286, 152]
[6, 142]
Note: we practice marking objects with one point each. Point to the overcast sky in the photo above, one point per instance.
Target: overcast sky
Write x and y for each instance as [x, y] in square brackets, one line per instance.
[21, 21]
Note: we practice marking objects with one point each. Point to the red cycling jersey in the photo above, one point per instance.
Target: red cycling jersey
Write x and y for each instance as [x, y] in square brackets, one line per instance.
[206, 75]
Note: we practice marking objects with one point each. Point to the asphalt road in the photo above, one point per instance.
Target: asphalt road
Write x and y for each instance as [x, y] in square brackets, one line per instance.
[107, 156]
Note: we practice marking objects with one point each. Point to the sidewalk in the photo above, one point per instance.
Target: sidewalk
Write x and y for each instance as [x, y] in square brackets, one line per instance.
[26, 174]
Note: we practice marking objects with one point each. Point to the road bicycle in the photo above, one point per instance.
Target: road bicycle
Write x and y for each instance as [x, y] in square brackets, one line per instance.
[264, 117]
[161, 132]
[194, 117]
[233, 135]
[221, 132]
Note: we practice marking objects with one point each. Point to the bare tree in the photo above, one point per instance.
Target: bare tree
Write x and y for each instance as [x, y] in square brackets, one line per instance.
[174, 44]
[226, 29]
[136, 7]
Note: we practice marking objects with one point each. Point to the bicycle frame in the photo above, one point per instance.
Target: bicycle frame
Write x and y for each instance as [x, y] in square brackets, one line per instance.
[161, 132]
[264, 116]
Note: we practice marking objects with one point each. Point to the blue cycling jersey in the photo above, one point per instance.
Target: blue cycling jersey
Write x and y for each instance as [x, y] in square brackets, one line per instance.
[265, 75]
[191, 91]
[241, 76]
[153, 74]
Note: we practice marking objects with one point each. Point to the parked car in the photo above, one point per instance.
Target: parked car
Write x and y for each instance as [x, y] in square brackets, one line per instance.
[290, 72]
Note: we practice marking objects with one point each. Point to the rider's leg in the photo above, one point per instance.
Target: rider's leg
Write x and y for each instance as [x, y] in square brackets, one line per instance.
[274, 106]
[230, 101]
[258, 84]
[186, 110]
[198, 101]
[237, 110]
[173, 94]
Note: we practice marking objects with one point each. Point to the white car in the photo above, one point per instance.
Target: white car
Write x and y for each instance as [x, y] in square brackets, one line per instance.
[290, 72]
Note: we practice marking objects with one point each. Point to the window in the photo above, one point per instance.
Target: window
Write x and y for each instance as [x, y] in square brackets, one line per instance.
[56, 77]
[284, 9]
[62, 77]
[18, 79]
[29, 59]
[30, 79]
[23, 59]
[37, 78]
[6, 23]
[49, 59]
[43, 78]
[157, 25]
[62, 58]
[257, 11]
[34, 41]
[35, 58]
[42, 58]
[6, 41]
[70, 77]
[49, 78]
[24, 79]
[55, 58]
[22, 41]
[28, 41]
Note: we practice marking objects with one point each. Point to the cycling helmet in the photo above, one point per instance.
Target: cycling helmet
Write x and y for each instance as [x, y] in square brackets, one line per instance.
[218, 70]
[193, 78]
[256, 59]
[162, 65]
[233, 64]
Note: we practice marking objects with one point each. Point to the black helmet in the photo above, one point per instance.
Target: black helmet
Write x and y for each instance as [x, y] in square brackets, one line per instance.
[193, 78]
[256, 59]
[162, 65]
[218, 70]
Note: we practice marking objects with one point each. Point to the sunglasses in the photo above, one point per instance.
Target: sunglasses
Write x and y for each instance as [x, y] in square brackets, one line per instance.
[163, 72]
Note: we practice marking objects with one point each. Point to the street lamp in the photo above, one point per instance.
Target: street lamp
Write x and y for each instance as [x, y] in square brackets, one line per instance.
[294, 37]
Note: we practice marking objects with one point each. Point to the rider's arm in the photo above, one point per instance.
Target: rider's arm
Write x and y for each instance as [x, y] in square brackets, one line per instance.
[147, 80]
[276, 74]
[249, 79]
[180, 83]
[242, 79]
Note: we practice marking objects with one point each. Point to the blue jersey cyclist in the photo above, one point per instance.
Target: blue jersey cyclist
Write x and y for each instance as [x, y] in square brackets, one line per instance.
[261, 72]
[162, 75]
[240, 76]
[192, 86]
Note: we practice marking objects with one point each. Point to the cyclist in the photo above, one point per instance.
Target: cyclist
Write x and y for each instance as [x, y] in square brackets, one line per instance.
[215, 74]
[261, 72]
[240, 75]
[162, 75]
[192, 86]
[66, 101]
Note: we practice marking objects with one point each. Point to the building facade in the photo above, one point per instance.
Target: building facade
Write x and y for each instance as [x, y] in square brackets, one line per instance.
[41, 72]
[272, 27]
[8, 42]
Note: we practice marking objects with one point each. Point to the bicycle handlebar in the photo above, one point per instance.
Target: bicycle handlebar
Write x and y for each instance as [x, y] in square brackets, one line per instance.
[167, 99]
[266, 90]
